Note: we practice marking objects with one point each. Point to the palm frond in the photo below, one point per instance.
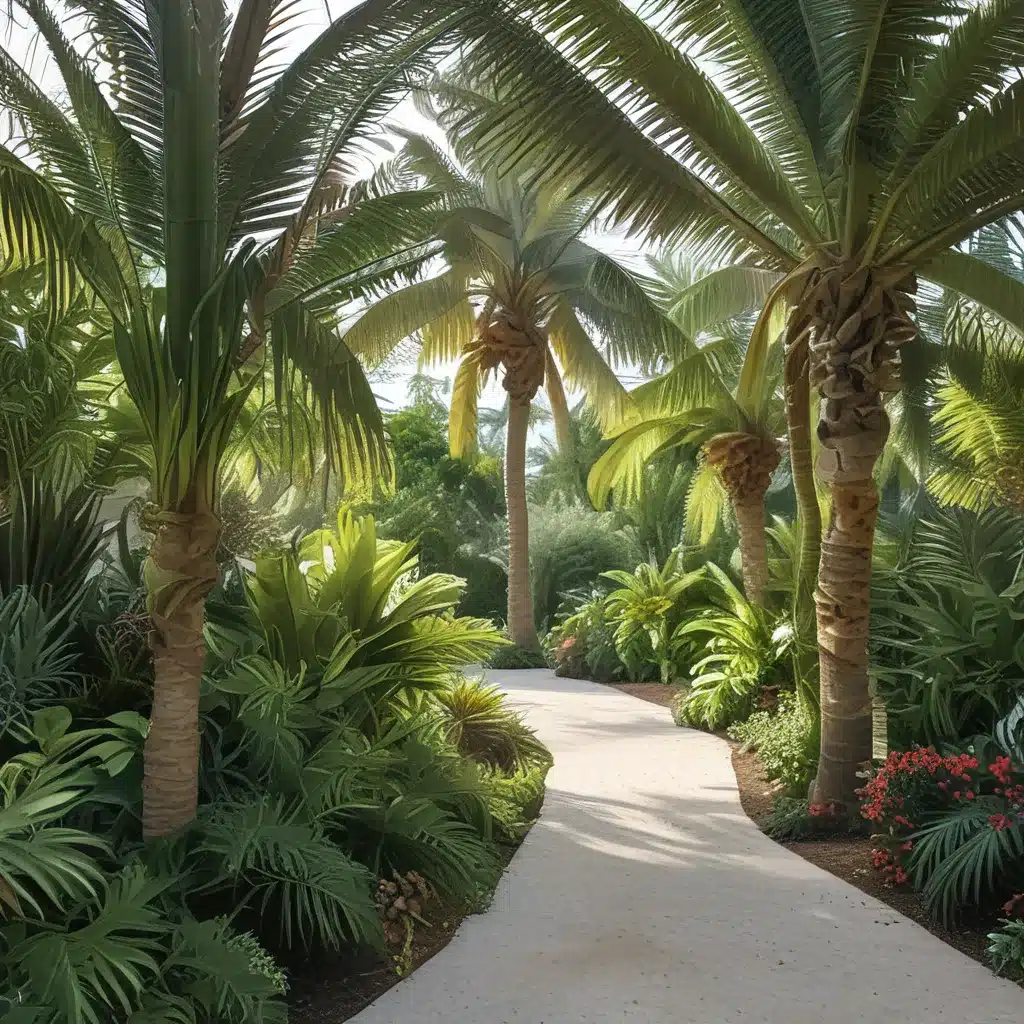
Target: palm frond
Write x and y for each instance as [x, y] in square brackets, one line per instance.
[402, 313]
[584, 367]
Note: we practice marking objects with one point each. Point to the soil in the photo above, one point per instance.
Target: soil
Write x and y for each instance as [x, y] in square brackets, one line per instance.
[329, 989]
[849, 858]
[653, 693]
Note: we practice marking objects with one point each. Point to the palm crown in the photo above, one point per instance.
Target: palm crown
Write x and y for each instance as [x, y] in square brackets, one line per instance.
[724, 399]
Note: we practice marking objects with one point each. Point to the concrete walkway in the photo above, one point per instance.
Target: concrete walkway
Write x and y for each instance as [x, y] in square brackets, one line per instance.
[645, 894]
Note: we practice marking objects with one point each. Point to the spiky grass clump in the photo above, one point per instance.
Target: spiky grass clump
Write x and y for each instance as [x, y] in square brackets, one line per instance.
[479, 722]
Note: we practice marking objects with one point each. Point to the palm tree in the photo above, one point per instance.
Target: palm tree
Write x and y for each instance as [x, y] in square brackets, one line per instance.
[524, 293]
[853, 147]
[725, 400]
[492, 422]
[206, 193]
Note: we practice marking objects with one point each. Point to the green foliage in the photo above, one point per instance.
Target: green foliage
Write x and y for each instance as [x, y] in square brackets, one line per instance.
[49, 543]
[571, 548]
[327, 763]
[795, 818]
[657, 516]
[744, 650]
[515, 800]
[37, 663]
[582, 645]
[481, 725]
[786, 741]
[789, 820]
[645, 613]
[946, 647]
[282, 866]
[453, 507]
[961, 860]
[1006, 949]
[513, 657]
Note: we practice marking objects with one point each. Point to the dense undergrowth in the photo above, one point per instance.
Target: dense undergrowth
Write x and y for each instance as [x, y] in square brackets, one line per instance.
[341, 745]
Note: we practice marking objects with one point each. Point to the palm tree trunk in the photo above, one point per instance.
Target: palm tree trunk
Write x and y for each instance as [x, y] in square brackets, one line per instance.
[798, 428]
[745, 463]
[753, 550]
[520, 596]
[842, 599]
[861, 317]
[180, 572]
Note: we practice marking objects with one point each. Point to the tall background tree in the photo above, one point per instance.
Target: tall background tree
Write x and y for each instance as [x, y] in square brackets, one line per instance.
[523, 293]
[854, 147]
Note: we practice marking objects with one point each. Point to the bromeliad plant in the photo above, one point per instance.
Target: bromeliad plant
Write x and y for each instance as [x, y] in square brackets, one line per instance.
[742, 648]
[183, 139]
[346, 608]
[645, 613]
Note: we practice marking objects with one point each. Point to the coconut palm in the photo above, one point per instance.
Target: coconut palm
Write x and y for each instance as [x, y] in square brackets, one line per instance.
[492, 422]
[852, 146]
[523, 293]
[208, 195]
[725, 400]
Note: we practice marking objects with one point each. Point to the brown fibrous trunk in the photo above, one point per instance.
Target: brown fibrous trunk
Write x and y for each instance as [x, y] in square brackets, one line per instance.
[181, 573]
[745, 462]
[859, 317]
[510, 340]
[520, 594]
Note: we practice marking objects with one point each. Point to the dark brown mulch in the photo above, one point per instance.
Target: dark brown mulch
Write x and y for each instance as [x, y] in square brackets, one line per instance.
[328, 991]
[849, 858]
[653, 693]
[333, 988]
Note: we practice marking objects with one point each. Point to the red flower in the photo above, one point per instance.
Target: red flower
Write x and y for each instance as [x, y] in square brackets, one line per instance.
[1001, 768]
[1011, 905]
[1000, 822]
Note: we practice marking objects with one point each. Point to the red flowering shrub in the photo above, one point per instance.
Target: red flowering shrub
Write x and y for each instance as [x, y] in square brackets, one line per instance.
[913, 790]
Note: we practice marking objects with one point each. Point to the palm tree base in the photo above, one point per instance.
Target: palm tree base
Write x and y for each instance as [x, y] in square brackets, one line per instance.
[180, 573]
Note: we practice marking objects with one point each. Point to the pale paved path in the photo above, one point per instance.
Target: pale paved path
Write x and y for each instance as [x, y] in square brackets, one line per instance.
[645, 894]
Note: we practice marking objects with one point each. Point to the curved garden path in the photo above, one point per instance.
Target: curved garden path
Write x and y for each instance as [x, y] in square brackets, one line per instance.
[645, 894]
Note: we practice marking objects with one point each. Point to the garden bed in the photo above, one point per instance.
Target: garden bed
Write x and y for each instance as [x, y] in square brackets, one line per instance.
[332, 989]
[849, 858]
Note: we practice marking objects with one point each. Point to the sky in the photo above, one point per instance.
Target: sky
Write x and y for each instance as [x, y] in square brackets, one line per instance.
[309, 18]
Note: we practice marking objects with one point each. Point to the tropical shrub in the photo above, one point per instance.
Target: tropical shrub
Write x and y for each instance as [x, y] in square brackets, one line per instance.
[745, 650]
[512, 657]
[582, 645]
[454, 507]
[786, 741]
[949, 825]
[479, 723]
[327, 764]
[645, 613]
[795, 818]
[1006, 946]
[945, 627]
[571, 548]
